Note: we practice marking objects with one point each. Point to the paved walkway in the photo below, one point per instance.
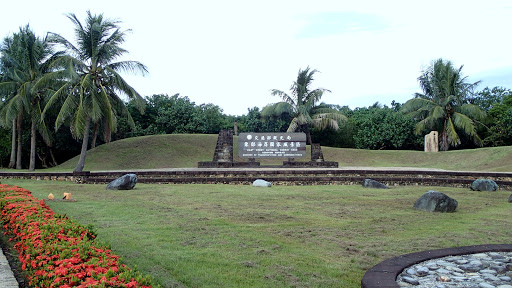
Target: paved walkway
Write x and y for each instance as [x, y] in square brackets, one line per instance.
[7, 279]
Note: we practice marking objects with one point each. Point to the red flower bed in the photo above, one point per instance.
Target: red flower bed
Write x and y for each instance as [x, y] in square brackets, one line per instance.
[57, 252]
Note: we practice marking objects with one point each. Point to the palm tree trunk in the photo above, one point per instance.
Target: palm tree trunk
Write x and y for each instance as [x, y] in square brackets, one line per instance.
[443, 143]
[12, 162]
[18, 153]
[85, 141]
[94, 135]
[308, 135]
[32, 164]
[108, 133]
[54, 162]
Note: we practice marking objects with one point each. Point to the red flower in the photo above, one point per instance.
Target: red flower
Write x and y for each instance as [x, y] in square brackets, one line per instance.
[54, 250]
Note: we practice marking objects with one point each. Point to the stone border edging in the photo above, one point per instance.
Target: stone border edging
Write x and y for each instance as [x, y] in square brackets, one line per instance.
[384, 274]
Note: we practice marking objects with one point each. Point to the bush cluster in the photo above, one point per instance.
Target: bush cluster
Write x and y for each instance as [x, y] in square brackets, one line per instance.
[57, 252]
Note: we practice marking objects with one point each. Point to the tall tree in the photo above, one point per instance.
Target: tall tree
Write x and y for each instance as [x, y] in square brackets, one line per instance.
[443, 106]
[303, 106]
[26, 58]
[92, 77]
[4, 94]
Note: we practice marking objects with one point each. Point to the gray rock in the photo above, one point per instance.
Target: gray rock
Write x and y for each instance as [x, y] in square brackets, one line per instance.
[261, 183]
[422, 271]
[470, 268]
[434, 201]
[484, 185]
[411, 280]
[370, 183]
[125, 182]
[510, 198]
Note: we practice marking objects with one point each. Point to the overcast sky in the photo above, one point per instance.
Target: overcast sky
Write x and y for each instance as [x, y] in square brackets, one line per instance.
[231, 53]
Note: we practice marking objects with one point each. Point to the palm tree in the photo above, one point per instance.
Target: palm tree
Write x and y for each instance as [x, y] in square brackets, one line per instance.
[302, 106]
[92, 79]
[7, 91]
[4, 95]
[25, 58]
[443, 106]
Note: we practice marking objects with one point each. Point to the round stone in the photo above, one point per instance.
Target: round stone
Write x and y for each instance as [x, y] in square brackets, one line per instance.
[410, 271]
[410, 280]
[422, 271]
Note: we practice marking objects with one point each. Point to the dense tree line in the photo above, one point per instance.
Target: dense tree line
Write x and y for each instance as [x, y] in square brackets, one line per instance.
[78, 86]
[374, 127]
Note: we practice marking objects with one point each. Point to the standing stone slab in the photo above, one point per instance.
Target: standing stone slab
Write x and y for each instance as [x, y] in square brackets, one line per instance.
[370, 183]
[125, 182]
[432, 142]
[484, 185]
[434, 201]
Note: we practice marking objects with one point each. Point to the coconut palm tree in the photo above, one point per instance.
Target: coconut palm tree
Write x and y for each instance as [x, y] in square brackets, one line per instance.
[303, 106]
[443, 106]
[92, 78]
[7, 91]
[4, 95]
[25, 59]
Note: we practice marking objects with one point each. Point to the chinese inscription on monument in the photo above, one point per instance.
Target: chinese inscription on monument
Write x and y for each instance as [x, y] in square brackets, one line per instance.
[268, 145]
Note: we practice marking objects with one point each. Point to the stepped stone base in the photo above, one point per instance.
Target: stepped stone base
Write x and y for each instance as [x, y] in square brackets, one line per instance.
[211, 164]
[319, 164]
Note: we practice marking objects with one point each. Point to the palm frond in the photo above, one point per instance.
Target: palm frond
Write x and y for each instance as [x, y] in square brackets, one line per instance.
[41, 124]
[323, 123]
[276, 110]
[285, 97]
[464, 123]
[66, 111]
[129, 66]
[450, 130]
[473, 111]
[416, 105]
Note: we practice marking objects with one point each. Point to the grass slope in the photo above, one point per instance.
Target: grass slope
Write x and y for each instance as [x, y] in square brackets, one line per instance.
[185, 150]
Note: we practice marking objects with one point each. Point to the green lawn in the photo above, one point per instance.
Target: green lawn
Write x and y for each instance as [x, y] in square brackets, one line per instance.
[283, 236]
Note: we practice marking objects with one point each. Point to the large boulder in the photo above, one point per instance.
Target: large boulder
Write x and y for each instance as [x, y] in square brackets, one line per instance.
[125, 182]
[484, 185]
[510, 198]
[370, 183]
[434, 201]
[261, 183]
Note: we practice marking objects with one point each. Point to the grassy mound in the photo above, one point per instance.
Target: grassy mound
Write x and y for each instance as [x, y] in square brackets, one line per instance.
[185, 150]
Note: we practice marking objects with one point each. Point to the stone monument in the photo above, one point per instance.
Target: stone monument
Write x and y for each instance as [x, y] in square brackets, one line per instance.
[432, 142]
[223, 155]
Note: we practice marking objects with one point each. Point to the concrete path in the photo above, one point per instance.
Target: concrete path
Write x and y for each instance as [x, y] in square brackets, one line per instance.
[7, 279]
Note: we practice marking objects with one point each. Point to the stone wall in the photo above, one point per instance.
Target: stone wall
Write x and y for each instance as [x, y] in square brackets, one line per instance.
[282, 176]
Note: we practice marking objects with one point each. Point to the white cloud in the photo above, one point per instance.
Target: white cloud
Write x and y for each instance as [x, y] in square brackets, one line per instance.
[231, 53]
